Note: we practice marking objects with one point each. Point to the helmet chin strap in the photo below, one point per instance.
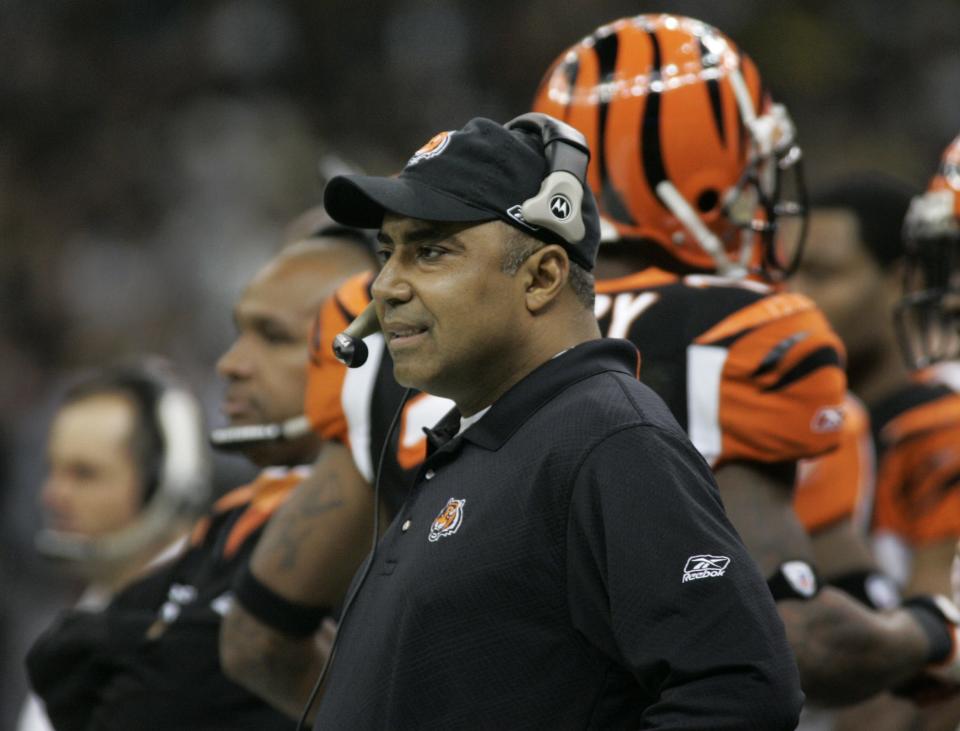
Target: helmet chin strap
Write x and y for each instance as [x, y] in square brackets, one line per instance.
[684, 212]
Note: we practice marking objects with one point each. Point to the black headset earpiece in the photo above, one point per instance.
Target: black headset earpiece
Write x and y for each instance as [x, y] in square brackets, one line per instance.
[557, 206]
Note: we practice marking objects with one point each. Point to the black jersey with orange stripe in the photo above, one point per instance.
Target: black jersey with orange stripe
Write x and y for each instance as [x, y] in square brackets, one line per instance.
[356, 406]
[751, 374]
[157, 666]
[917, 436]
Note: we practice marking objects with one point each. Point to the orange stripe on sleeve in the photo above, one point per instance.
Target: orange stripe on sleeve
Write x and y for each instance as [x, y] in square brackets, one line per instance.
[269, 493]
[759, 313]
[782, 386]
[837, 485]
[918, 483]
[646, 279]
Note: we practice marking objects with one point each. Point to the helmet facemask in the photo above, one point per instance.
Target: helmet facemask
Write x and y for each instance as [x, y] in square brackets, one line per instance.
[927, 318]
[771, 191]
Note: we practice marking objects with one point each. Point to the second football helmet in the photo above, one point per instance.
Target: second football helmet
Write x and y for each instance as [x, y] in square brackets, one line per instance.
[928, 317]
[689, 151]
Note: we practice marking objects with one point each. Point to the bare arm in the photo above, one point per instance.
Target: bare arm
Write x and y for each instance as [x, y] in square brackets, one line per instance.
[931, 568]
[279, 668]
[845, 651]
[307, 554]
[840, 549]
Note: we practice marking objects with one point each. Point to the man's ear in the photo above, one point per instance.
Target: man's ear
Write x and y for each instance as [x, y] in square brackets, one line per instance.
[546, 272]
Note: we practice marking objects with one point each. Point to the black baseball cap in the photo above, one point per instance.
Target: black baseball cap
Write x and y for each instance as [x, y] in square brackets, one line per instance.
[482, 172]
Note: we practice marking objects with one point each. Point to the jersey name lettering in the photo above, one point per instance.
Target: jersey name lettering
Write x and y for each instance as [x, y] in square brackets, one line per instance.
[627, 307]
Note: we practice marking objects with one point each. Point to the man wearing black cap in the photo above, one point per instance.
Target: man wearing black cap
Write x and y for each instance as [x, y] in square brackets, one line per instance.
[562, 559]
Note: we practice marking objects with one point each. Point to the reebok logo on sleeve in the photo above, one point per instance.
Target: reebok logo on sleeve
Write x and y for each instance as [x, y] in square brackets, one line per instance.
[704, 566]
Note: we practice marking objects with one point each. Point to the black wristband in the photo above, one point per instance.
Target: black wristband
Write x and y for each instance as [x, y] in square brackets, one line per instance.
[871, 588]
[794, 580]
[936, 625]
[283, 615]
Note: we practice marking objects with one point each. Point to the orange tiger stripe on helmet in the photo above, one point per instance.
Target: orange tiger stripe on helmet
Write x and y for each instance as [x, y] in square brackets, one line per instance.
[948, 175]
[937, 210]
[652, 95]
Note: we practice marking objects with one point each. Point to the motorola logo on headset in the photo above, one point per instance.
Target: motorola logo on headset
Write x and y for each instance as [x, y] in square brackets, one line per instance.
[560, 207]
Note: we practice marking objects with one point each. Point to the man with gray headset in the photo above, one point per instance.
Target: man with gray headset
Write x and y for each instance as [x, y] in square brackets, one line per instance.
[562, 559]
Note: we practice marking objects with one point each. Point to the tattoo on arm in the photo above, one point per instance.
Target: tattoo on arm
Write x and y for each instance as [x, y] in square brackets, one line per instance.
[284, 539]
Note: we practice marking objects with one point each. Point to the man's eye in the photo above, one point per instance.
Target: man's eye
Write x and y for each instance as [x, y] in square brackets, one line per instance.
[275, 336]
[430, 253]
[83, 472]
[383, 255]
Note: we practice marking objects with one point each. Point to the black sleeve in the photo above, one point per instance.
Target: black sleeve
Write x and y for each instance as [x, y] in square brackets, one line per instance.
[659, 581]
[72, 661]
[76, 658]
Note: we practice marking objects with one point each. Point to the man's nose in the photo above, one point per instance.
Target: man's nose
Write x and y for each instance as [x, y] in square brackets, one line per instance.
[235, 364]
[391, 287]
[53, 494]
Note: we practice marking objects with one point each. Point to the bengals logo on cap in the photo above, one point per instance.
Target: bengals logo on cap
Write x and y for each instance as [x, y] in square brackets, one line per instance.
[449, 520]
[436, 144]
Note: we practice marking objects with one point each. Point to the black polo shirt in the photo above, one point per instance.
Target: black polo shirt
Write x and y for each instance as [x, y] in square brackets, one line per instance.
[565, 563]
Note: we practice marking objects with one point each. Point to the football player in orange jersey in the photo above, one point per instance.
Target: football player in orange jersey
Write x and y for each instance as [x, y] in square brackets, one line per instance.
[692, 166]
[928, 320]
[853, 268]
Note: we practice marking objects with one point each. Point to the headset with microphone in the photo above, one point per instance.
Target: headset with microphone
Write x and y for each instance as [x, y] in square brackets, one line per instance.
[176, 476]
[228, 438]
[557, 207]
[234, 438]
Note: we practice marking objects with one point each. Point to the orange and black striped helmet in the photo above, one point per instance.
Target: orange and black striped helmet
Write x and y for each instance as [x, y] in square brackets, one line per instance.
[689, 151]
[928, 316]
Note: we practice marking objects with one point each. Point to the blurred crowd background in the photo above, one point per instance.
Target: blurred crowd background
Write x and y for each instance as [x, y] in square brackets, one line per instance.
[152, 151]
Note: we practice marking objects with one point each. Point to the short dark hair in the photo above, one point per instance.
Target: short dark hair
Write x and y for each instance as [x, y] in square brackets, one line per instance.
[143, 387]
[879, 202]
[364, 238]
[520, 246]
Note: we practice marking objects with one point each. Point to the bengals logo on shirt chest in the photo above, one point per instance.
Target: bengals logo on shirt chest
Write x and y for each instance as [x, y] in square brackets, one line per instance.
[449, 520]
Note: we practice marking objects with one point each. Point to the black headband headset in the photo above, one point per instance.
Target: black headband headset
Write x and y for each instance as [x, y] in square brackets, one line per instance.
[557, 207]
[179, 476]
